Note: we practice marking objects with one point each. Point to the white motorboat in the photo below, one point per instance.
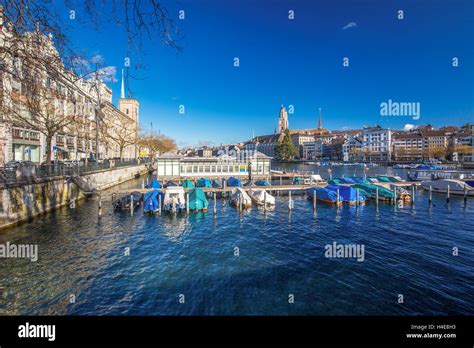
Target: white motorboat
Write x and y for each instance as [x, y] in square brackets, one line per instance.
[260, 197]
[456, 187]
[239, 196]
[174, 200]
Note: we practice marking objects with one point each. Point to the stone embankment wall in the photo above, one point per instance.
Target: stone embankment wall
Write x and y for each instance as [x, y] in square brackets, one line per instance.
[23, 201]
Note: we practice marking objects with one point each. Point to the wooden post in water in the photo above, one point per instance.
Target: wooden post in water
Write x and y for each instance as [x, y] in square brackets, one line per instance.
[187, 203]
[131, 205]
[357, 197]
[314, 200]
[377, 196]
[264, 201]
[431, 190]
[447, 195]
[289, 200]
[100, 205]
[215, 206]
[413, 194]
[159, 204]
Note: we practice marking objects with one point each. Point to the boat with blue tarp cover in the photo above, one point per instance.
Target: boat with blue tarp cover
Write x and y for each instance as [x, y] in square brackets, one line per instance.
[203, 182]
[234, 182]
[324, 195]
[262, 183]
[155, 184]
[348, 194]
[152, 200]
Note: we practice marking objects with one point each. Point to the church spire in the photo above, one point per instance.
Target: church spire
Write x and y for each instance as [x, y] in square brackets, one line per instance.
[122, 91]
[320, 122]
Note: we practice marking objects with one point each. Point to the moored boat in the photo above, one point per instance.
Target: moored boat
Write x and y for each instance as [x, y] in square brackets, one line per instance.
[456, 187]
[348, 194]
[324, 195]
[155, 184]
[174, 200]
[261, 197]
[197, 200]
[203, 182]
[262, 183]
[187, 184]
[239, 196]
[170, 184]
[152, 201]
[234, 182]
[125, 202]
[370, 190]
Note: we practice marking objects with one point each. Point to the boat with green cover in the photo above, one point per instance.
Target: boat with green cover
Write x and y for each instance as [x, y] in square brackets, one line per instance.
[187, 184]
[370, 190]
[198, 200]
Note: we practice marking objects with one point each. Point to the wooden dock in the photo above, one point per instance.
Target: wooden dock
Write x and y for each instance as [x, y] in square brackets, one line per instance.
[273, 188]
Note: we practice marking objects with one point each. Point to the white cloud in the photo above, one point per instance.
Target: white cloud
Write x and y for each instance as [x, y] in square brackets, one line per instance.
[107, 74]
[349, 25]
[408, 127]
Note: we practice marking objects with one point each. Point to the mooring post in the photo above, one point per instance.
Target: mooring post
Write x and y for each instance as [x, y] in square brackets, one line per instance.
[413, 194]
[314, 200]
[100, 205]
[377, 196]
[447, 195]
[143, 184]
[187, 203]
[215, 207]
[264, 201]
[337, 198]
[430, 198]
[395, 195]
[281, 180]
[159, 203]
[289, 200]
[357, 197]
[240, 201]
[131, 205]
[465, 194]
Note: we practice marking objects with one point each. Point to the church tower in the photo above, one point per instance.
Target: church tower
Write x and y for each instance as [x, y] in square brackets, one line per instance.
[130, 107]
[283, 120]
[320, 122]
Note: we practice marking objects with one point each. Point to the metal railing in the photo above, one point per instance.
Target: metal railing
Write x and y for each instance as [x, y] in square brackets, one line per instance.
[18, 173]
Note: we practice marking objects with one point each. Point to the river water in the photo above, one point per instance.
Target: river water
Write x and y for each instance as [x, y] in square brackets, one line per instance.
[249, 264]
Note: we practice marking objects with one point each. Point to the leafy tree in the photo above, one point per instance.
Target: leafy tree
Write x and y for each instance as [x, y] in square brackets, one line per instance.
[286, 150]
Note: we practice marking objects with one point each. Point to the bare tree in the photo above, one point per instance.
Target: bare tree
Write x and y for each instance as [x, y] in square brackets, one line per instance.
[156, 144]
[117, 130]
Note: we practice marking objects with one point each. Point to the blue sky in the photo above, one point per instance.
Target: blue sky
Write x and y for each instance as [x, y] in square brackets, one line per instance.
[297, 62]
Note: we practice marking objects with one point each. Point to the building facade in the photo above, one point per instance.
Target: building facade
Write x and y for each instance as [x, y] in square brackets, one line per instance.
[175, 166]
[377, 144]
[83, 107]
